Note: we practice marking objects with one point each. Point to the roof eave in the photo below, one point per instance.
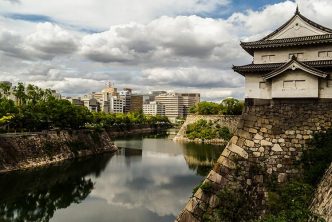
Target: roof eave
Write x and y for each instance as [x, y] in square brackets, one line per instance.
[248, 50]
[235, 69]
[300, 65]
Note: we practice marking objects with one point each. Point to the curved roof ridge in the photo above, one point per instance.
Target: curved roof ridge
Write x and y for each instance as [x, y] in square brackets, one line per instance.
[299, 65]
[297, 13]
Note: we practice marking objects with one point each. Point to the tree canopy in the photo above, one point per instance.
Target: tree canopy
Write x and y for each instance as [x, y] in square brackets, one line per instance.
[36, 109]
[229, 106]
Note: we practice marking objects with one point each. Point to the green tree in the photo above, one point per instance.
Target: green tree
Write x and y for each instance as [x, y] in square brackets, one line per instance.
[19, 93]
[231, 106]
[4, 89]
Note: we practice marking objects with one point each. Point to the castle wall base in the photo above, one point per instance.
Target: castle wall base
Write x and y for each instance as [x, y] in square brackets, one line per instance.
[268, 142]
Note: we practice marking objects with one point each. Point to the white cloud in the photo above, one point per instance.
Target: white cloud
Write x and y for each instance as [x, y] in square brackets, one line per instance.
[257, 22]
[192, 77]
[167, 40]
[103, 13]
[182, 53]
[46, 42]
[52, 39]
[75, 86]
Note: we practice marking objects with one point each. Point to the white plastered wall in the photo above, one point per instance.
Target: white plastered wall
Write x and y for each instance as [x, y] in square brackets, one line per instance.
[252, 87]
[297, 28]
[282, 55]
[282, 86]
[325, 88]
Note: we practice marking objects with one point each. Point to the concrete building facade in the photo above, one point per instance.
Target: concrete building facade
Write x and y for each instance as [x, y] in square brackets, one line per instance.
[154, 108]
[125, 95]
[136, 104]
[177, 104]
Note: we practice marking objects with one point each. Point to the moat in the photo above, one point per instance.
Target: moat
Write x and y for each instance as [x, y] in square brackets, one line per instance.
[148, 179]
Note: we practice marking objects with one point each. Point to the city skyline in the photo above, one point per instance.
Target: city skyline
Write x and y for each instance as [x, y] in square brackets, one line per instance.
[188, 46]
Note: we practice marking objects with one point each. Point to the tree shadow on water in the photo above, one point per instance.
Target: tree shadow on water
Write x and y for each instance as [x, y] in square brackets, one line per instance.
[35, 195]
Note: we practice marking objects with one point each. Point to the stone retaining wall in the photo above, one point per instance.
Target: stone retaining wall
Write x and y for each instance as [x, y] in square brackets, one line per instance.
[267, 143]
[21, 151]
[322, 204]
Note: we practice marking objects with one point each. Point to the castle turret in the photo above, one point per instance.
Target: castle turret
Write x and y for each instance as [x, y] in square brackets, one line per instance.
[293, 62]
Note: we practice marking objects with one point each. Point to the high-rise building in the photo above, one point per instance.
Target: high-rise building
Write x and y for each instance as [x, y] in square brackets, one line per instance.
[136, 103]
[116, 105]
[188, 100]
[75, 101]
[125, 95]
[110, 90]
[91, 103]
[154, 108]
[177, 104]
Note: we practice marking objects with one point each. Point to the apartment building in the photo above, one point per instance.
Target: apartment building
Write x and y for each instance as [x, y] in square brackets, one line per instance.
[177, 104]
[136, 103]
[116, 105]
[125, 95]
[154, 108]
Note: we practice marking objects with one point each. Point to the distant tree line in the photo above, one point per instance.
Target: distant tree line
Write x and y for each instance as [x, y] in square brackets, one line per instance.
[229, 106]
[36, 109]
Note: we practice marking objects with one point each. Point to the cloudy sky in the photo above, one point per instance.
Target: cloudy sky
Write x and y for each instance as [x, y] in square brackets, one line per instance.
[78, 46]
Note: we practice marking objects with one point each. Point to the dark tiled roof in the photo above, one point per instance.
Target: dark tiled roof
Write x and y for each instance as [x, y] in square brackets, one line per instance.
[301, 65]
[268, 67]
[297, 13]
[287, 42]
[301, 40]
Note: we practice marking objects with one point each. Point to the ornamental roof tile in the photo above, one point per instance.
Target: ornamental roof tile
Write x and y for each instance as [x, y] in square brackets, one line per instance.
[268, 67]
[295, 64]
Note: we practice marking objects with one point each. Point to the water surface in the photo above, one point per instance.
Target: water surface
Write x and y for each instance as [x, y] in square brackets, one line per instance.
[148, 179]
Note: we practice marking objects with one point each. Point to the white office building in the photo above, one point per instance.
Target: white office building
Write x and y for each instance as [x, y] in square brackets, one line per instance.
[154, 108]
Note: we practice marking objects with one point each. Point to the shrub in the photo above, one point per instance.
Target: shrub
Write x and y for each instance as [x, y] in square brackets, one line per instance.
[229, 106]
[318, 157]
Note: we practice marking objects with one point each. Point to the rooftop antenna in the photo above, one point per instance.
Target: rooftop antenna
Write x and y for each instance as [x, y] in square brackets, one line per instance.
[109, 84]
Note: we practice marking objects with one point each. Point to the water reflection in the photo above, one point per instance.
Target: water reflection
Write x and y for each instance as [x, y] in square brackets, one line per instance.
[149, 179]
[201, 157]
[36, 195]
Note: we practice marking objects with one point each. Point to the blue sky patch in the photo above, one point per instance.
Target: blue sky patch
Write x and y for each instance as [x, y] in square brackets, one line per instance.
[30, 17]
[238, 6]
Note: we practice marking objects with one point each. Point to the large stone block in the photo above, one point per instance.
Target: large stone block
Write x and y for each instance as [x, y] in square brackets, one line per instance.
[227, 162]
[249, 143]
[276, 147]
[238, 150]
[258, 137]
[266, 143]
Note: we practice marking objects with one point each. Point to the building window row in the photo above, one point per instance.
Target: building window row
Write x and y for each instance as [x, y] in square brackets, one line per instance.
[298, 55]
[291, 84]
[267, 58]
[325, 54]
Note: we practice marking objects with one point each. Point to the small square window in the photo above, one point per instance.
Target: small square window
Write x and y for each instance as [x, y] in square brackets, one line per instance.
[325, 54]
[267, 58]
[288, 84]
[298, 55]
[262, 85]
